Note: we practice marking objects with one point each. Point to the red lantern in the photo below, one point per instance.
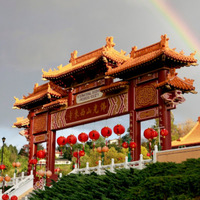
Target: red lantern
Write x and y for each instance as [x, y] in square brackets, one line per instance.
[57, 170]
[94, 135]
[2, 167]
[48, 173]
[5, 197]
[148, 133]
[41, 173]
[125, 145]
[119, 129]
[33, 161]
[164, 132]
[106, 132]
[75, 154]
[99, 150]
[83, 137]
[14, 197]
[105, 149]
[61, 141]
[7, 178]
[71, 139]
[81, 153]
[133, 145]
[154, 134]
[17, 164]
[13, 164]
[148, 154]
[41, 154]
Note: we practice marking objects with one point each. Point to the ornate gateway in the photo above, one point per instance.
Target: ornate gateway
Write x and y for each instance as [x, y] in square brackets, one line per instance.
[85, 90]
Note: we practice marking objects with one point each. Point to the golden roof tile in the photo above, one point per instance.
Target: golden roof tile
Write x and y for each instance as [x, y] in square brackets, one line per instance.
[21, 122]
[78, 63]
[56, 103]
[47, 90]
[192, 138]
[114, 86]
[174, 81]
[150, 53]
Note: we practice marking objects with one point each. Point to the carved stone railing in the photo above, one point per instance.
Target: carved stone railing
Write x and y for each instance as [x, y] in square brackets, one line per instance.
[20, 185]
[100, 169]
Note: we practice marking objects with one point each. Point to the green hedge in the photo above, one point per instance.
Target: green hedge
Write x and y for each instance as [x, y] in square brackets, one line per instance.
[157, 181]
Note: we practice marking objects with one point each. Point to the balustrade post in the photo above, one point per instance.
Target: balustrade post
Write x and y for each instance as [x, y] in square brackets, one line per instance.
[141, 162]
[87, 168]
[126, 162]
[22, 175]
[99, 168]
[154, 154]
[112, 165]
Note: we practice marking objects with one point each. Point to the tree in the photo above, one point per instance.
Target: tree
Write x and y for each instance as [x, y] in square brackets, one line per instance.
[185, 128]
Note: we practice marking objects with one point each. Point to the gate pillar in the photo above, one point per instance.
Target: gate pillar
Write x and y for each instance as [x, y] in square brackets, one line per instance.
[51, 143]
[32, 146]
[164, 115]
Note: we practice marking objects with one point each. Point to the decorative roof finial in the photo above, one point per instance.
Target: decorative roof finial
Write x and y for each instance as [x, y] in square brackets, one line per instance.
[109, 42]
[73, 56]
[164, 41]
[134, 49]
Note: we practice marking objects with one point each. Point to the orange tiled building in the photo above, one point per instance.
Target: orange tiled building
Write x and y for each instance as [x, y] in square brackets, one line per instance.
[191, 139]
[106, 83]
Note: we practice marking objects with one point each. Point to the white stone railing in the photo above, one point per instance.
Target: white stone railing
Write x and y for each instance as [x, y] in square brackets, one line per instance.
[100, 169]
[20, 185]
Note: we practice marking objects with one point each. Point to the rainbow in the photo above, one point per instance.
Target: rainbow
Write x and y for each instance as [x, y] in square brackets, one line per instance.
[178, 25]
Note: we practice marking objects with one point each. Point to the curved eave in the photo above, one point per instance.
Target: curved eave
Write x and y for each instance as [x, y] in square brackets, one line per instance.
[29, 104]
[78, 68]
[139, 62]
[114, 86]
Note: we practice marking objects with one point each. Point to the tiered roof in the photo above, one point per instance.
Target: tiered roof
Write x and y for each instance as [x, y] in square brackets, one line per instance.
[174, 82]
[146, 56]
[114, 86]
[77, 64]
[191, 139]
[21, 122]
[44, 93]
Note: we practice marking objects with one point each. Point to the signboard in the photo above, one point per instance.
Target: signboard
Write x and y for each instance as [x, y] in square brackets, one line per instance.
[40, 138]
[89, 95]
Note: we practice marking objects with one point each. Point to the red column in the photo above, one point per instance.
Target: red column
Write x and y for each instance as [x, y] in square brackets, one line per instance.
[51, 144]
[70, 97]
[164, 115]
[135, 127]
[32, 146]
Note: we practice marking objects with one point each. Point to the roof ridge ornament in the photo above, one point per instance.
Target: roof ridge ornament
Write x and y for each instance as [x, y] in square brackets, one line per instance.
[109, 42]
[172, 73]
[73, 56]
[134, 49]
[189, 81]
[164, 41]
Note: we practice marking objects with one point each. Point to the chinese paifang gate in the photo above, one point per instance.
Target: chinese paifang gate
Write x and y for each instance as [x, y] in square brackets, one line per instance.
[85, 91]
